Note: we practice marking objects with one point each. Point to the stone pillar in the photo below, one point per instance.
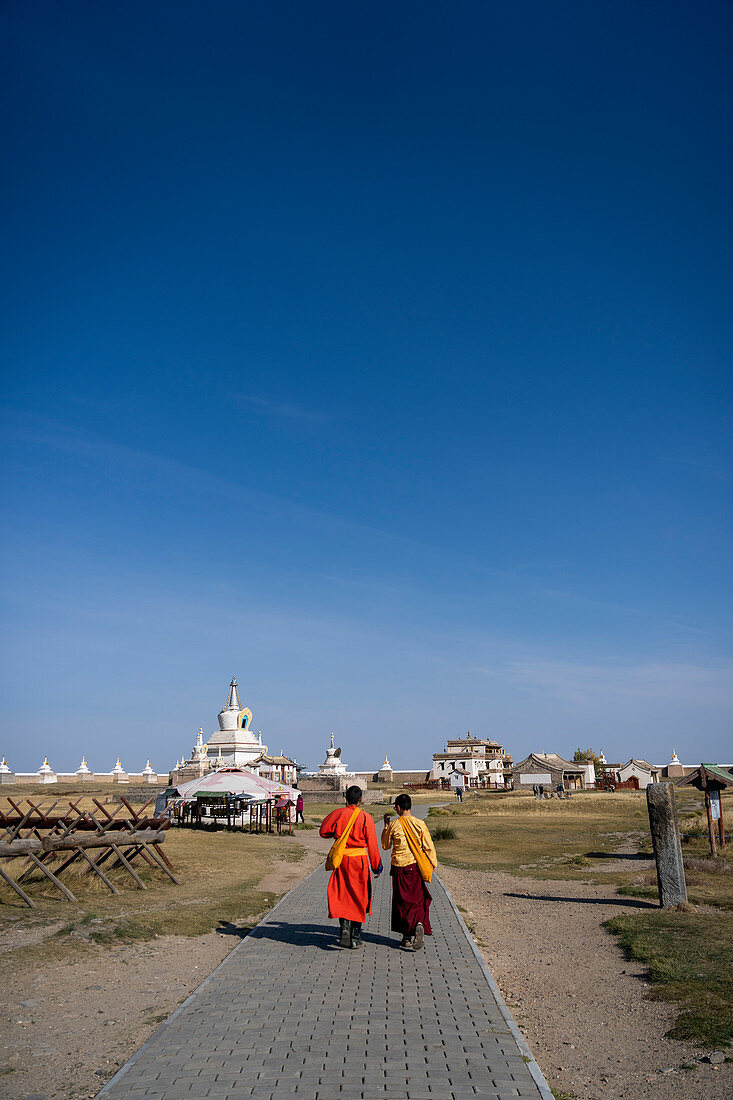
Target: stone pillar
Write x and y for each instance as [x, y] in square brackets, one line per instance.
[665, 832]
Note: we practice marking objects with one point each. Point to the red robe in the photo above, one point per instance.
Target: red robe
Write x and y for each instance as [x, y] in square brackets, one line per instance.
[350, 886]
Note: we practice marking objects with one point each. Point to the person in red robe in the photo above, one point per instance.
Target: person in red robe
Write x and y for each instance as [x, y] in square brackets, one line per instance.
[350, 885]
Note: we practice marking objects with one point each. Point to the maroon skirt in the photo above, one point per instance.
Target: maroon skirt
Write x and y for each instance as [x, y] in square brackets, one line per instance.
[410, 900]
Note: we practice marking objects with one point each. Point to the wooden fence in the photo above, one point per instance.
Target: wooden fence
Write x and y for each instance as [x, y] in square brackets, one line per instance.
[51, 842]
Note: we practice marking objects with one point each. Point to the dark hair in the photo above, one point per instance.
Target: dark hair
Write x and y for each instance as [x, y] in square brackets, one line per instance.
[403, 801]
[353, 796]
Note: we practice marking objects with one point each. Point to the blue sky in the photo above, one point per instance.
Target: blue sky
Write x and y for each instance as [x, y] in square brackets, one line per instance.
[379, 356]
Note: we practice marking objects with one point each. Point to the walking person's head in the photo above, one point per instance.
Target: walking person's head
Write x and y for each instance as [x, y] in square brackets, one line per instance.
[353, 796]
[402, 802]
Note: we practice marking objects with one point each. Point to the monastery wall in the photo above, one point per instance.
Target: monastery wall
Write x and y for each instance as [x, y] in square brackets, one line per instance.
[368, 797]
[397, 778]
[49, 777]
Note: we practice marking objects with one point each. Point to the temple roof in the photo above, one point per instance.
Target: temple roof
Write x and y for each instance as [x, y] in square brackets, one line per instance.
[552, 761]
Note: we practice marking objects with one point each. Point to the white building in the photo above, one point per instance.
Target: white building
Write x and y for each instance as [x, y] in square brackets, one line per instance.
[480, 762]
[640, 771]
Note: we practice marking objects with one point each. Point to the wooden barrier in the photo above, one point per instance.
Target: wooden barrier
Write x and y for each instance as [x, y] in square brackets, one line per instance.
[35, 835]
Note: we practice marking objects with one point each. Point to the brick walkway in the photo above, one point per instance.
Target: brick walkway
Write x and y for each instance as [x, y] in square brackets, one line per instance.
[288, 1014]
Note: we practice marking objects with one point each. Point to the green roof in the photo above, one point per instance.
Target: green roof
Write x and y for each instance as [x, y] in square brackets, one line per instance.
[713, 771]
[721, 773]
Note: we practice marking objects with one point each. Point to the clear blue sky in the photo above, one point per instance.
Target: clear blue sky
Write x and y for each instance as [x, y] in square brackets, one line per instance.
[378, 355]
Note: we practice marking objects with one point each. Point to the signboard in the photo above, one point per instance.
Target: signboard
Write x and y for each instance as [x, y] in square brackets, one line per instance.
[715, 804]
[541, 777]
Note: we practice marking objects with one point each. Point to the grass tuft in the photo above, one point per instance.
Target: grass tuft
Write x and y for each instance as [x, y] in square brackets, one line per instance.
[688, 958]
[444, 832]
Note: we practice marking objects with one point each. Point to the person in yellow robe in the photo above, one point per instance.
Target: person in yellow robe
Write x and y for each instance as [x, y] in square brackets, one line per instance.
[410, 896]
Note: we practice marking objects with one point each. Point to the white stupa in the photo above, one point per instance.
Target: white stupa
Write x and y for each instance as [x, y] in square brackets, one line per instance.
[119, 775]
[46, 774]
[83, 771]
[234, 743]
[200, 750]
[6, 775]
[333, 764]
[148, 775]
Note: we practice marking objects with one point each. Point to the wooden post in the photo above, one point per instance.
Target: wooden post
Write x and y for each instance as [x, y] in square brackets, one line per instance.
[709, 809]
[721, 827]
[665, 832]
[50, 875]
[19, 892]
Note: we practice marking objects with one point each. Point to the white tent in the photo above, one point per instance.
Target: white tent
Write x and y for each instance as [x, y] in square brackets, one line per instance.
[236, 781]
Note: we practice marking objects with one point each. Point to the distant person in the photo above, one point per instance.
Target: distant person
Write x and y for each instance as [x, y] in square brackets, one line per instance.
[410, 896]
[542, 790]
[299, 809]
[350, 885]
[459, 794]
[535, 791]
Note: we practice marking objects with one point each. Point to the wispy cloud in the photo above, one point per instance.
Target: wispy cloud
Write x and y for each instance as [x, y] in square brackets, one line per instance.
[287, 410]
[591, 684]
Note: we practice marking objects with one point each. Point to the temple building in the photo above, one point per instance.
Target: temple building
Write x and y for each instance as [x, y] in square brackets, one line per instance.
[481, 763]
[234, 745]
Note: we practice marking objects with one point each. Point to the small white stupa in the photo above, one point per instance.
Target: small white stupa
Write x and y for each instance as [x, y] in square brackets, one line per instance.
[200, 750]
[385, 773]
[83, 772]
[333, 764]
[6, 776]
[148, 775]
[119, 775]
[46, 774]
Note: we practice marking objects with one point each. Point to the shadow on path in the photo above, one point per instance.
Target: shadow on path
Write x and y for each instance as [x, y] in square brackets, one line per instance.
[226, 928]
[628, 903]
[610, 856]
[312, 935]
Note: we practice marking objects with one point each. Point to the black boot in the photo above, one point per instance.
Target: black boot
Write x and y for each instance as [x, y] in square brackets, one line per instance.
[345, 937]
[355, 934]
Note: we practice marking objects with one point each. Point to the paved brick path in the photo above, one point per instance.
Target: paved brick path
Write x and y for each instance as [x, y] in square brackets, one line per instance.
[289, 1014]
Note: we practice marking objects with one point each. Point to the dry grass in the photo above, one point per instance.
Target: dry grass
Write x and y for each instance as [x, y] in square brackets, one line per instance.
[220, 872]
[689, 960]
[553, 838]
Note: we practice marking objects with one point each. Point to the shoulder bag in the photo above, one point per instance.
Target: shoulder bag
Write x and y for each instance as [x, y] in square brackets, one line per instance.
[424, 865]
[334, 857]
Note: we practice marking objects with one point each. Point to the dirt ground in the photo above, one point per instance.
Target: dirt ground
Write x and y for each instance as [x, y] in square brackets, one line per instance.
[66, 1028]
[579, 1003]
